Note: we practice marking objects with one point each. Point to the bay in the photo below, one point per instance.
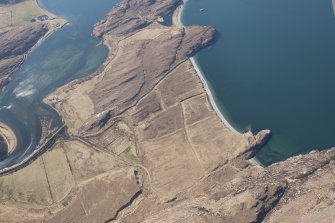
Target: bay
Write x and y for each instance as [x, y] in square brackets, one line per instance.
[272, 68]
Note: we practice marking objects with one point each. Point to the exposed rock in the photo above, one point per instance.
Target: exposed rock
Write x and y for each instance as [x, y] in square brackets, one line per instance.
[273, 194]
[256, 142]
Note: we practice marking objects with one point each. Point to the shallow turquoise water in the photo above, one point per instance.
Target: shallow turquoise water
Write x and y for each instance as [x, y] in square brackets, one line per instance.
[68, 54]
[272, 68]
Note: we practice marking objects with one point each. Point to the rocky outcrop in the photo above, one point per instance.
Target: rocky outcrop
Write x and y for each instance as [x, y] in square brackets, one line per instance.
[300, 189]
[256, 143]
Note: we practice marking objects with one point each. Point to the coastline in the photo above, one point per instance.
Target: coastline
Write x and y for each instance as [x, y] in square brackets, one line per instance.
[179, 163]
[256, 162]
[9, 137]
[177, 19]
[54, 23]
[179, 12]
[211, 98]
[253, 160]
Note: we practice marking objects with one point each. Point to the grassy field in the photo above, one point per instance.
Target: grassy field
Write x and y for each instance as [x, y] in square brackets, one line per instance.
[19, 14]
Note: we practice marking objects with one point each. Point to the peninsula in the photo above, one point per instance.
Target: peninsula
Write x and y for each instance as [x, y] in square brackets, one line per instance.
[144, 143]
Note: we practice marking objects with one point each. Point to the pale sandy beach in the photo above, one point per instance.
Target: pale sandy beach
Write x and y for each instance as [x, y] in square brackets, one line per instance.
[178, 22]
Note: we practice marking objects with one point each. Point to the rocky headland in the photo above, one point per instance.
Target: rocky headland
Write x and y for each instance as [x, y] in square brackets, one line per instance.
[145, 145]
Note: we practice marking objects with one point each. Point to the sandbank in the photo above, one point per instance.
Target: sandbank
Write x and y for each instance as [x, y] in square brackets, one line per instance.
[9, 137]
